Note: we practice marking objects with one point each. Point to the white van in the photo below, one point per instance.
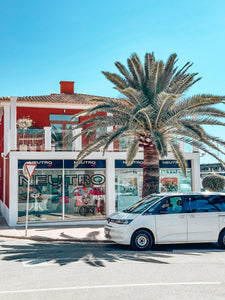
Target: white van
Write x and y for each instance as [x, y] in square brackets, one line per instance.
[170, 219]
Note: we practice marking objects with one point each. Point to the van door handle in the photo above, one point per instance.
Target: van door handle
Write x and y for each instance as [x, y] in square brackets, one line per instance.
[181, 216]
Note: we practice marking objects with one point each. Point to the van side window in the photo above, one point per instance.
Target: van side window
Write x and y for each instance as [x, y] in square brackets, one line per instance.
[172, 205]
[218, 201]
[201, 203]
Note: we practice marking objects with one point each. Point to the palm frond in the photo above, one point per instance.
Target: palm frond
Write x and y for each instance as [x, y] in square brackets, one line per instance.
[160, 142]
[133, 95]
[114, 136]
[202, 147]
[125, 73]
[153, 80]
[164, 102]
[116, 79]
[132, 151]
[137, 78]
[204, 120]
[193, 105]
[149, 62]
[178, 156]
[91, 147]
[139, 67]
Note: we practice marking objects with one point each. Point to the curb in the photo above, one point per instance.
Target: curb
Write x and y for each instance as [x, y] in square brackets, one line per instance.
[45, 239]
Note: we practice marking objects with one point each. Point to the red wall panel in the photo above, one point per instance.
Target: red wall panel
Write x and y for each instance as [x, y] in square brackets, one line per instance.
[40, 116]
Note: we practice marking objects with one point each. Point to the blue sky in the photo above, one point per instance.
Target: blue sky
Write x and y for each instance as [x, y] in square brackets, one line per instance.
[44, 42]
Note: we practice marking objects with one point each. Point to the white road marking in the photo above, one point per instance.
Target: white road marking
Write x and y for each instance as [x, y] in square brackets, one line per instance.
[109, 286]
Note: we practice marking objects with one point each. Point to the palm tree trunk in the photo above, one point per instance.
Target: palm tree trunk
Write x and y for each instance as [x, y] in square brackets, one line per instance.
[150, 171]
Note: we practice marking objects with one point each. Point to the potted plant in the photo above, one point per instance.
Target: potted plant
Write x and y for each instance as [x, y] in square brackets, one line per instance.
[23, 124]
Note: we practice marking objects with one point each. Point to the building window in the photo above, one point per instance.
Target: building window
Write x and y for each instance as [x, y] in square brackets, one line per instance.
[62, 132]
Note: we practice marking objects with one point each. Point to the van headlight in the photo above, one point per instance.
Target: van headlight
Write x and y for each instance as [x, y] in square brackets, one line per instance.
[124, 222]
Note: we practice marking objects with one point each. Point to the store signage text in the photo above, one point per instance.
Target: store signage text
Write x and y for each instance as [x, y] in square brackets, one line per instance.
[163, 164]
[73, 179]
[66, 164]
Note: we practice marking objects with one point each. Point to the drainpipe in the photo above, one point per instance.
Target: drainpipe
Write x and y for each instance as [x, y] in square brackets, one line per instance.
[13, 123]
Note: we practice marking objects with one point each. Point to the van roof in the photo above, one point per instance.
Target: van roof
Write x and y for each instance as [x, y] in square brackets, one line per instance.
[190, 194]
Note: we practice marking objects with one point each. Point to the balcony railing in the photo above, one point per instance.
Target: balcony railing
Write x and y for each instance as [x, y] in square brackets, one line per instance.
[62, 140]
[51, 139]
[30, 140]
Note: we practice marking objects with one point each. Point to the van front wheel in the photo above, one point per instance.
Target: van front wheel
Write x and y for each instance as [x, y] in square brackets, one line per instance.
[141, 240]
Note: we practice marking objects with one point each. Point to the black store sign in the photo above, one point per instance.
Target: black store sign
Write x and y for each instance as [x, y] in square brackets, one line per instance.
[163, 164]
[68, 164]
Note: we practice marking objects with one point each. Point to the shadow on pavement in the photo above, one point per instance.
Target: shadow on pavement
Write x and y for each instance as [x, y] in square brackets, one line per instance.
[188, 248]
[95, 254]
[63, 253]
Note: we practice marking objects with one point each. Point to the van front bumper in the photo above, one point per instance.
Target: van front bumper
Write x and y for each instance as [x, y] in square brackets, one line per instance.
[119, 234]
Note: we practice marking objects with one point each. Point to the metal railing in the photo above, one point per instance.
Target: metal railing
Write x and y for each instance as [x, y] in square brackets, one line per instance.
[30, 140]
[53, 139]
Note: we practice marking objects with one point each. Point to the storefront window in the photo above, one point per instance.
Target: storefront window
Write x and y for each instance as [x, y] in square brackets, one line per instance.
[128, 181]
[44, 196]
[84, 194]
[173, 180]
[128, 187]
[83, 191]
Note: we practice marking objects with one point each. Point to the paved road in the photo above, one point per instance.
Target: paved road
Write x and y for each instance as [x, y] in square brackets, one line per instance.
[36, 270]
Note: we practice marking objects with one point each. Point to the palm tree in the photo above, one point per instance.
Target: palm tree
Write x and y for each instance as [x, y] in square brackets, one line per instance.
[57, 138]
[155, 114]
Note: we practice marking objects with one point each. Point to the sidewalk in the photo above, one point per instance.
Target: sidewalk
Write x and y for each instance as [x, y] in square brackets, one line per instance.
[75, 233]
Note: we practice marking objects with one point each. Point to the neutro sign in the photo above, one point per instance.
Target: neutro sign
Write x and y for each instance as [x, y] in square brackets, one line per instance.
[85, 164]
[66, 164]
[163, 164]
[43, 164]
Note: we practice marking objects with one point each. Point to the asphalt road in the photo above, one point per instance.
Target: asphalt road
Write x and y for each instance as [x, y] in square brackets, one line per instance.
[36, 270]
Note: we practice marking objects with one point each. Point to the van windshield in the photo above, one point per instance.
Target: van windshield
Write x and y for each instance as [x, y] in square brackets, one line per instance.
[142, 205]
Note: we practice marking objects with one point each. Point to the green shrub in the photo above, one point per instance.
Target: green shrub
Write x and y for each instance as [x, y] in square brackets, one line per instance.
[213, 183]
